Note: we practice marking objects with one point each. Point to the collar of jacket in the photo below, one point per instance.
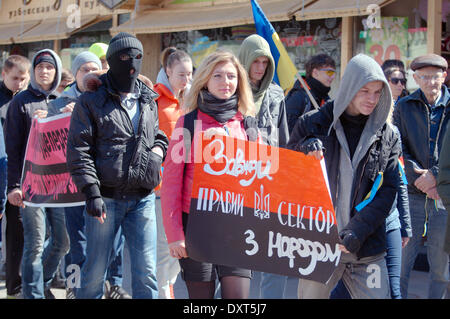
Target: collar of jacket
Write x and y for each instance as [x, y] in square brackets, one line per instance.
[39, 93]
[163, 90]
[418, 95]
[5, 89]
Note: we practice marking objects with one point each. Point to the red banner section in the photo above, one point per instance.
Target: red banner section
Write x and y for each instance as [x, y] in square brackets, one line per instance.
[261, 208]
[46, 181]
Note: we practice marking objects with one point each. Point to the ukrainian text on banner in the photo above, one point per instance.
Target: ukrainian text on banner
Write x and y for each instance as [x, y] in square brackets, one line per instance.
[46, 180]
[262, 208]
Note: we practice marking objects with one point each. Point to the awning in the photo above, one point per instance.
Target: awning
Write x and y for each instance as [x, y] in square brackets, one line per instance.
[322, 9]
[55, 29]
[173, 19]
[12, 30]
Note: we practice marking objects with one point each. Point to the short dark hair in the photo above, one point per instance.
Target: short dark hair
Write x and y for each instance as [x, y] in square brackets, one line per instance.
[317, 61]
[18, 61]
[391, 66]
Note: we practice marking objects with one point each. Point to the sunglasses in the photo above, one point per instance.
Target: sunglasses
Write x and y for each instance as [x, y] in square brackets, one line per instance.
[396, 80]
[329, 72]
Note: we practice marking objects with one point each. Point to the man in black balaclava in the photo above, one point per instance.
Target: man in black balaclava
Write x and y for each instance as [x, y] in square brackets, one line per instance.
[124, 57]
[116, 161]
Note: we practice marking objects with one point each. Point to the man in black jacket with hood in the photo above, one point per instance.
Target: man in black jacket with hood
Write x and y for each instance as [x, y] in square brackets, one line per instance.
[361, 158]
[114, 153]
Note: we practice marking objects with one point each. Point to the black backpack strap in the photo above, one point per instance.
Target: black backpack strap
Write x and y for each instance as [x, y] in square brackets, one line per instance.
[188, 132]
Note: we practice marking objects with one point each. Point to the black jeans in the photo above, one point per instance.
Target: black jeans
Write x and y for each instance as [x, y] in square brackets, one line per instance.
[14, 249]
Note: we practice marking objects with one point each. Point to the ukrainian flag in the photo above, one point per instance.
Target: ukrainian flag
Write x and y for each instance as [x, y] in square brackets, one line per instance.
[285, 70]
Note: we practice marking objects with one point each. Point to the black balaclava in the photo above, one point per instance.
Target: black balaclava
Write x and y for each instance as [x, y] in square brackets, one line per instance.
[120, 72]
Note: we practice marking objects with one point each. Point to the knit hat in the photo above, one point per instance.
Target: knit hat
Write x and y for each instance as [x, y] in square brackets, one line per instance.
[82, 58]
[99, 49]
[44, 57]
[122, 41]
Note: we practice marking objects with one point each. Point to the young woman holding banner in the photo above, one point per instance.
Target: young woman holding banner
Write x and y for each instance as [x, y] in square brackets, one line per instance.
[221, 96]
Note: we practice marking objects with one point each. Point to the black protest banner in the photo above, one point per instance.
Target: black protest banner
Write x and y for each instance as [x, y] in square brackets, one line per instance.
[262, 208]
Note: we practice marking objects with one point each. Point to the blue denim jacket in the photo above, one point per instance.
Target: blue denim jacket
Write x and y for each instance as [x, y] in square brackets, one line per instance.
[3, 171]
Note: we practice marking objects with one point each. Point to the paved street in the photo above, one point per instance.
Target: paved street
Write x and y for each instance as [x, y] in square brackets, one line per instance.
[418, 287]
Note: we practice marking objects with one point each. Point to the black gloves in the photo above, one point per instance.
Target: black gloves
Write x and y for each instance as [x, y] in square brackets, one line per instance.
[350, 241]
[95, 206]
[94, 203]
[310, 145]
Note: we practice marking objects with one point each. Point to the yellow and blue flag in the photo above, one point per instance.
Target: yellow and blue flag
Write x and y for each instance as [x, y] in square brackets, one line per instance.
[285, 70]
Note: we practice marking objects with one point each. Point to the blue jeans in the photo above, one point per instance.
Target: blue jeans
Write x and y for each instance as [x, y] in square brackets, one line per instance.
[438, 259]
[138, 221]
[272, 286]
[39, 264]
[393, 263]
[77, 254]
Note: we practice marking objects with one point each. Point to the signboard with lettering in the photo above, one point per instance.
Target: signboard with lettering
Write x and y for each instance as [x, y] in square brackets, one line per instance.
[46, 180]
[390, 41]
[262, 208]
[34, 10]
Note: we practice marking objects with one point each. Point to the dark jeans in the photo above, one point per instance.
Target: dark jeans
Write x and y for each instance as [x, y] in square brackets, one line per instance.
[14, 249]
[77, 255]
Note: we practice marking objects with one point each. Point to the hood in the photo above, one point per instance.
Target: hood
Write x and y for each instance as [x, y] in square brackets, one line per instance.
[71, 92]
[57, 80]
[361, 70]
[252, 48]
[163, 79]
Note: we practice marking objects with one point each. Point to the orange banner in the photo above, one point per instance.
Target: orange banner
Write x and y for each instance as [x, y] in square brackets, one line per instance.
[247, 195]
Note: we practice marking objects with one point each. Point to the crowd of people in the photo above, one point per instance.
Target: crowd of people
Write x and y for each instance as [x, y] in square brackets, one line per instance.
[376, 139]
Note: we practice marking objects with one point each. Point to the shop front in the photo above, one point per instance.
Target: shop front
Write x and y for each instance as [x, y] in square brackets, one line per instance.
[67, 27]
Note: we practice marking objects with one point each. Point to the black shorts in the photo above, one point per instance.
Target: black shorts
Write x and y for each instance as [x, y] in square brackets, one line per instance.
[192, 270]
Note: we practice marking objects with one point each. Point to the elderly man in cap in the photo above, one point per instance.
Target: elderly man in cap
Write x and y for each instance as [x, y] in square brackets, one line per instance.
[422, 119]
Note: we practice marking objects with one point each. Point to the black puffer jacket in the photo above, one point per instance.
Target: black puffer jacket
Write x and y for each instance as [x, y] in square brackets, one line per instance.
[382, 156]
[103, 150]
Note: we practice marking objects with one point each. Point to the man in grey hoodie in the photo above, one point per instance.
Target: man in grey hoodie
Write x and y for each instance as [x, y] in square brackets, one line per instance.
[257, 60]
[38, 264]
[361, 156]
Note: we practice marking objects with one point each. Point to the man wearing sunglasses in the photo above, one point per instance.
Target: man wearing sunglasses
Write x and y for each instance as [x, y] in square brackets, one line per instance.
[422, 119]
[320, 73]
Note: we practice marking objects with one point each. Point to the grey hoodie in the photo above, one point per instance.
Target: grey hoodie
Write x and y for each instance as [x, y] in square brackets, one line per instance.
[57, 80]
[361, 70]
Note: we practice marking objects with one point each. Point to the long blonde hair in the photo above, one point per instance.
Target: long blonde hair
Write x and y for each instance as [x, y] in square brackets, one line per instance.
[203, 74]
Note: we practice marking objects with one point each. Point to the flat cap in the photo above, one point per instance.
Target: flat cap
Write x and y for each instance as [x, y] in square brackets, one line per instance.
[430, 59]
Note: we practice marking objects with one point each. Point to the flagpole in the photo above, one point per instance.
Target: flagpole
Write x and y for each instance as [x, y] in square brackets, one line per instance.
[305, 86]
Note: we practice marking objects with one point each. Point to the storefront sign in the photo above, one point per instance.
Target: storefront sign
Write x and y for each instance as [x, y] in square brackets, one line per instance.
[46, 180]
[390, 41]
[262, 208]
[27, 10]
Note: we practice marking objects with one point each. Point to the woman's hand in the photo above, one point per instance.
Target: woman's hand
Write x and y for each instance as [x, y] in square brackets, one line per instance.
[178, 249]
